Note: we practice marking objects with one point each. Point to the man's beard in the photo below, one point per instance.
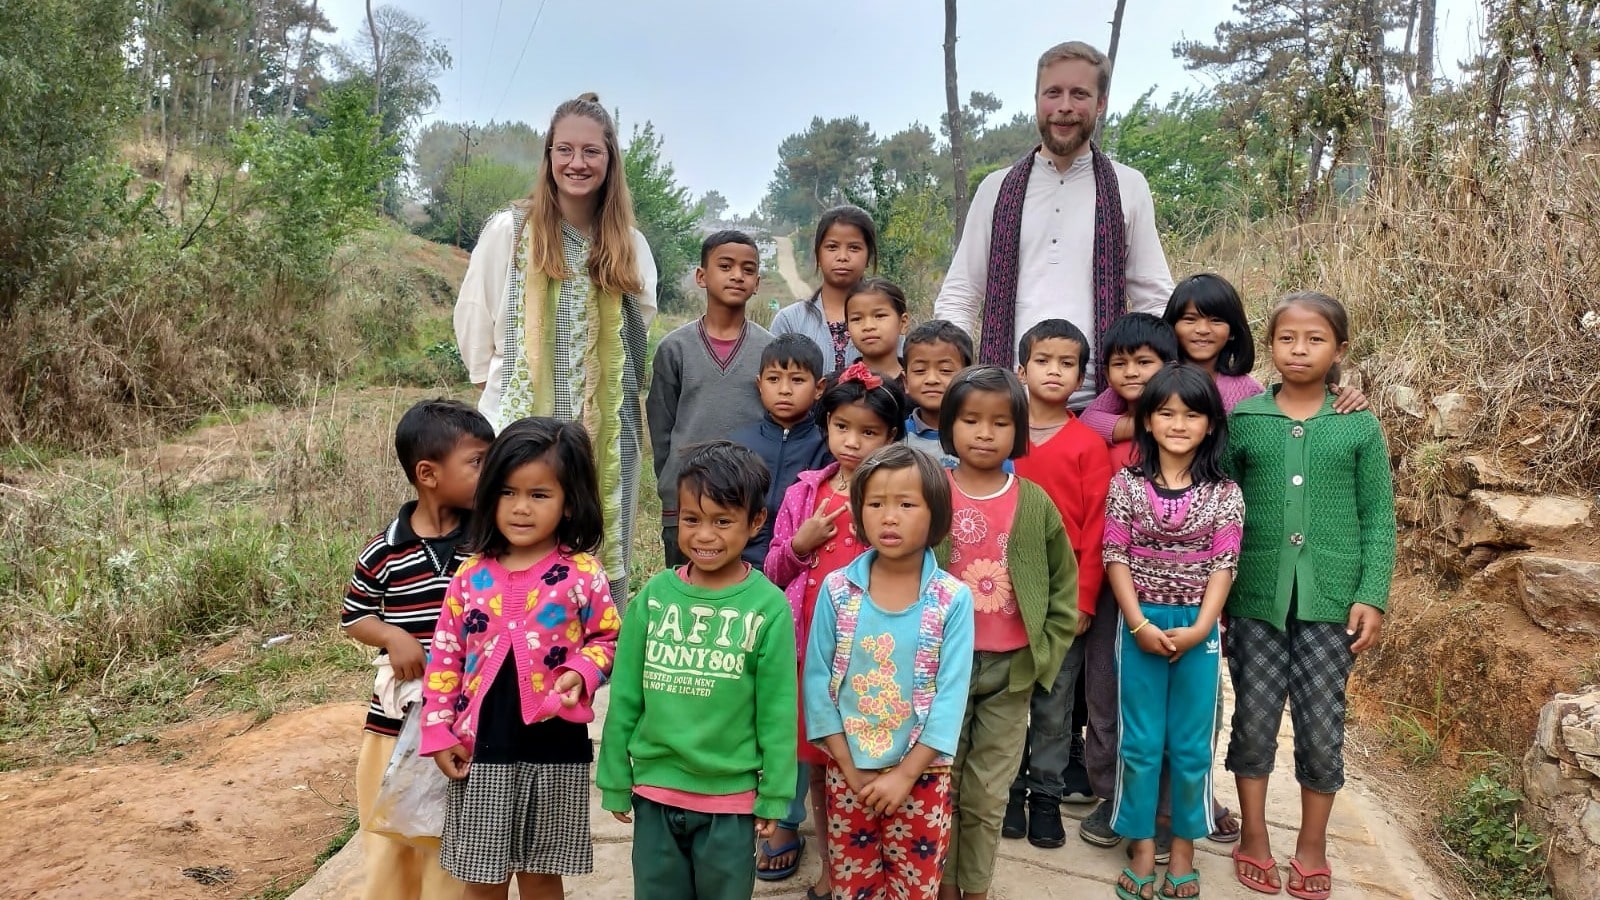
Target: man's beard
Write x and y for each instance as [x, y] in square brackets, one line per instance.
[1070, 146]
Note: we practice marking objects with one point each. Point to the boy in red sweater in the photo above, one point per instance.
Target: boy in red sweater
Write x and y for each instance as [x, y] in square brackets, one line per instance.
[1073, 466]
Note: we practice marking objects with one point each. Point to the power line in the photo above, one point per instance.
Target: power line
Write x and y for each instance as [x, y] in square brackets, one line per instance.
[512, 80]
[494, 33]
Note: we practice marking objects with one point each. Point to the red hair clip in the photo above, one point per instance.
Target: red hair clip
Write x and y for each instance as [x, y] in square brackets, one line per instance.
[858, 371]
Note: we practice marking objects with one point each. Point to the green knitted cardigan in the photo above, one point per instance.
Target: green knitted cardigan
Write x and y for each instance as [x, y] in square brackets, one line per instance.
[1345, 512]
[1044, 575]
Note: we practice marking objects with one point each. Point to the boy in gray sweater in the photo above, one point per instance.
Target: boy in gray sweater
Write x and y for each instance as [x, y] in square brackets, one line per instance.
[703, 385]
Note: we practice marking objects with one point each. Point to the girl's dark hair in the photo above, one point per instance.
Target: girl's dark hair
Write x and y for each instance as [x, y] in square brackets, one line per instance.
[1214, 298]
[1323, 305]
[875, 284]
[1196, 390]
[935, 486]
[847, 215]
[939, 331]
[565, 448]
[989, 379]
[887, 401]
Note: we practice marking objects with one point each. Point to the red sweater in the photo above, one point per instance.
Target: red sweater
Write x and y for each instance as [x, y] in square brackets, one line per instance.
[1074, 468]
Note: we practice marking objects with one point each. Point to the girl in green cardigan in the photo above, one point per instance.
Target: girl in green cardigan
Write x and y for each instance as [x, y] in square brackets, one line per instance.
[1313, 582]
[1008, 544]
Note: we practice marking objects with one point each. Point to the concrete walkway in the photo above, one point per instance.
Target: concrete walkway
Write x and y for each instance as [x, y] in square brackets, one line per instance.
[1371, 856]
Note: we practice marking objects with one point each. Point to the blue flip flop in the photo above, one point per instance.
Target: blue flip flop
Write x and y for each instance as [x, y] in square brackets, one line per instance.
[796, 846]
[1139, 885]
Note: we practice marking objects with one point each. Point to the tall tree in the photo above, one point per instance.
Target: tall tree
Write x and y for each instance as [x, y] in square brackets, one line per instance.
[667, 217]
[817, 167]
[952, 99]
[1111, 55]
[1420, 84]
[408, 63]
[64, 77]
[1372, 25]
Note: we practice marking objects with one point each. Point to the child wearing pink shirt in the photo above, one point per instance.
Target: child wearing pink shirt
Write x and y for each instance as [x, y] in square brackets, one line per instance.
[527, 634]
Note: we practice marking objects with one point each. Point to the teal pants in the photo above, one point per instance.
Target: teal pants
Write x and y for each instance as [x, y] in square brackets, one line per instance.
[679, 854]
[1166, 710]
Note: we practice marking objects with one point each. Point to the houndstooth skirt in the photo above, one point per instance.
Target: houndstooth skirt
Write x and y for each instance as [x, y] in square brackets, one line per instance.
[517, 817]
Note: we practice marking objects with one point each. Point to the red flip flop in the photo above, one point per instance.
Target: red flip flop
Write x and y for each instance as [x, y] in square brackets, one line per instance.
[1302, 893]
[1264, 865]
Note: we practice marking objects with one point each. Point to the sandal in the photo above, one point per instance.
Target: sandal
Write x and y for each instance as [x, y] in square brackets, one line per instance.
[795, 846]
[1140, 884]
[812, 894]
[1305, 893]
[1225, 827]
[1264, 866]
[1170, 889]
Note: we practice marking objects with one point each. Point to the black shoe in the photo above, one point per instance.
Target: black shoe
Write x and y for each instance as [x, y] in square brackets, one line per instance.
[1044, 823]
[1076, 784]
[1016, 821]
[1096, 827]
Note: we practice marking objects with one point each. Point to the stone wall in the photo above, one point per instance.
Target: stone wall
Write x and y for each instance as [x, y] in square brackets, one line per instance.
[1561, 779]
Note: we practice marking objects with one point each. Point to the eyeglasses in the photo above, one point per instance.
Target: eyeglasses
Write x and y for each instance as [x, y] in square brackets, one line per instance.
[564, 153]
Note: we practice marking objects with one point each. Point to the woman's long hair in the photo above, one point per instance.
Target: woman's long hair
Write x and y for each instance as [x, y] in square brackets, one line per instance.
[613, 266]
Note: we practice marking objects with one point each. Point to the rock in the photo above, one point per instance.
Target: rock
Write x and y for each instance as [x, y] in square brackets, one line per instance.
[1452, 415]
[1463, 474]
[1544, 780]
[1481, 557]
[1406, 400]
[1518, 520]
[1563, 798]
[1562, 595]
[1590, 823]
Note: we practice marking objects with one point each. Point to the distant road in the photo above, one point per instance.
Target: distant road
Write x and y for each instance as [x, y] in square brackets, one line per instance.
[789, 270]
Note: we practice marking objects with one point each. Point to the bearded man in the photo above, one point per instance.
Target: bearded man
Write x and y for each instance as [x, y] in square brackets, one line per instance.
[1064, 233]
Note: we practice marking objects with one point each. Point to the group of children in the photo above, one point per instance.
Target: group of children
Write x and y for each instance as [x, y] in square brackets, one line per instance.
[887, 578]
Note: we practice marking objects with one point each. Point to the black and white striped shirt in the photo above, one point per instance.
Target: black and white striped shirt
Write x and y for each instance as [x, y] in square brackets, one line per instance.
[401, 579]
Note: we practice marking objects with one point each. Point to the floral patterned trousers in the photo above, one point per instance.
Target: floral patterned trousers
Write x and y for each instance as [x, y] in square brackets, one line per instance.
[899, 856]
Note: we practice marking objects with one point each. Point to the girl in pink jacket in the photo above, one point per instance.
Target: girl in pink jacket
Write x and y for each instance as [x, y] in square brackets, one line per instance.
[527, 634]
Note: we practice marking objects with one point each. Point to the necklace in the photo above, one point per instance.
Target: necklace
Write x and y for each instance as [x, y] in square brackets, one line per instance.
[841, 484]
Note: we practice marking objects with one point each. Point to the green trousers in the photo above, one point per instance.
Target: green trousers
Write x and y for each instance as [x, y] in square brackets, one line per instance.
[993, 732]
[679, 854]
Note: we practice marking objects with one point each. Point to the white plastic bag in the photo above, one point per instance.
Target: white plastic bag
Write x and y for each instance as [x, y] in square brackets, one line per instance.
[411, 800]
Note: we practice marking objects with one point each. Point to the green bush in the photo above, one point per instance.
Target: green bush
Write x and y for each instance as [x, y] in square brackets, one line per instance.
[1501, 855]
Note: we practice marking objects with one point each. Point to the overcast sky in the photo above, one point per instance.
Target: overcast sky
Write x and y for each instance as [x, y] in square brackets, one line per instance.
[725, 82]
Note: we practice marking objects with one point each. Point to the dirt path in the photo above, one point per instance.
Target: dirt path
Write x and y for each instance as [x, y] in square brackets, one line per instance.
[1372, 856]
[259, 801]
[789, 269]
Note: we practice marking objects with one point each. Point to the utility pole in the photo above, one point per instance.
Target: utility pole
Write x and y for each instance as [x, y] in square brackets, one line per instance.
[461, 195]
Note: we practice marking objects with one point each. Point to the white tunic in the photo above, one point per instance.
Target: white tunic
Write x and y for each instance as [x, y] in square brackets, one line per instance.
[1055, 277]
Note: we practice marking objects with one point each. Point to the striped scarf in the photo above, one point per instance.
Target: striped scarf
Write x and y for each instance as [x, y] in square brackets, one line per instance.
[997, 341]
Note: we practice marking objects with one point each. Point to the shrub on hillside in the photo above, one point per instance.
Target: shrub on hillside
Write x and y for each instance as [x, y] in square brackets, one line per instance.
[223, 302]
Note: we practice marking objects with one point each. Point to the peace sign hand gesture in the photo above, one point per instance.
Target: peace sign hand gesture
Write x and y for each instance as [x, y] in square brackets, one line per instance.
[815, 531]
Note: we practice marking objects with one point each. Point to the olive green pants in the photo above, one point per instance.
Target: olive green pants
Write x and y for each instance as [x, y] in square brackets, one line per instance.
[993, 732]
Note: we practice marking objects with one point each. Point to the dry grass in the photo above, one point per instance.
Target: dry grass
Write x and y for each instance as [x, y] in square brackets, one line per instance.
[135, 592]
[1478, 276]
[150, 342]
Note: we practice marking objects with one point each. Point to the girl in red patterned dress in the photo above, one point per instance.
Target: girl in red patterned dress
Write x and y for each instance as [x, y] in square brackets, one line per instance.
[859, 413]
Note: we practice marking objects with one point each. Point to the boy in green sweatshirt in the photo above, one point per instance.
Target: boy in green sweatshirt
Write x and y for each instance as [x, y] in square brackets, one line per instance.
[700, 731]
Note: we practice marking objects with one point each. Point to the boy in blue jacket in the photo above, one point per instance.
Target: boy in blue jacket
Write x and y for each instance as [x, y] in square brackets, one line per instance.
[787, 437]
